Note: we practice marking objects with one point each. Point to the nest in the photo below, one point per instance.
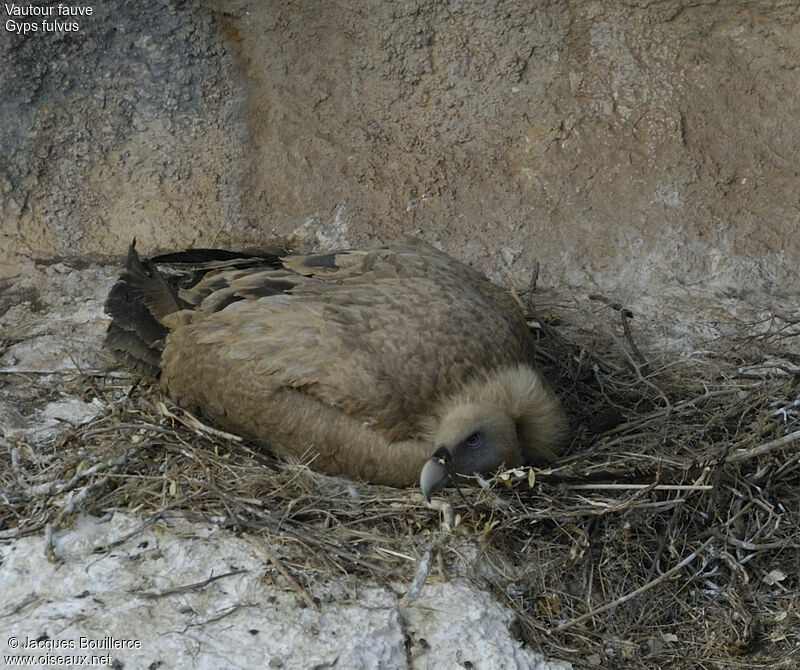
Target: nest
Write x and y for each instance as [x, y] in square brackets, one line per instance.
[668, 536]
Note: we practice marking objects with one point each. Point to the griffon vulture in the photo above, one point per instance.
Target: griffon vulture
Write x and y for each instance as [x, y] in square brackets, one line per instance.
[391, 365]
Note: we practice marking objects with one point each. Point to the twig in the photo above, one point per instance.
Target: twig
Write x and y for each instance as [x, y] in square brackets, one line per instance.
[749, 546]
[636, 487]
[613, 304]
[626, 315]
[21, 605]
[120, 426]
[59, 486]
[187, 587]
[446, 510]
[635, 593]
[423, 570]
[306, 538]
[262, 547]
[396, 554]
[745, 454]
[138, 529]
[420, 577]
[683, 405]
[49, 544]
[193, 423]
[531, 287]
[68, 371]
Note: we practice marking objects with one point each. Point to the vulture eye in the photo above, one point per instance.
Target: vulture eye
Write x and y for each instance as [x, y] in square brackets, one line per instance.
[474, 440]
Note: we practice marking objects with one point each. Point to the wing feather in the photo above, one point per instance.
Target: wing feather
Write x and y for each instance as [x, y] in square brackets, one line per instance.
[380, 334]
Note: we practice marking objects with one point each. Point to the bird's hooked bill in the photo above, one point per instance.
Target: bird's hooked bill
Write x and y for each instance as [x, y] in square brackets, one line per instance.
[435, 473]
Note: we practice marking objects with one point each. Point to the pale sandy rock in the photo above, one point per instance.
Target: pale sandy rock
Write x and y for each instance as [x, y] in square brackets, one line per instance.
[97, 596]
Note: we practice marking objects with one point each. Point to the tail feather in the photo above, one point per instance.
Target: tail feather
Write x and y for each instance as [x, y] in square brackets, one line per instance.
[201, 255]
[148, 286]
[131, 315]
[143, 297]
[137, 303]
[133, 351]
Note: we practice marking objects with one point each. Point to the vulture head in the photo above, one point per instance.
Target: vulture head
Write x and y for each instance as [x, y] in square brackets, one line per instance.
[509, 418]
[470, 439]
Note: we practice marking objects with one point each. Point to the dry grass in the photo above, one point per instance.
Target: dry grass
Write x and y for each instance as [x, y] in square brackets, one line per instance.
[669, 537]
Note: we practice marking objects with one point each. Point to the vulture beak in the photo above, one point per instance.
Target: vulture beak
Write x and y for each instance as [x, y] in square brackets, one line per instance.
[435, 473]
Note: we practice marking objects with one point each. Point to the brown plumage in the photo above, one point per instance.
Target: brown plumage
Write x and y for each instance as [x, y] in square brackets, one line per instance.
[365, 361]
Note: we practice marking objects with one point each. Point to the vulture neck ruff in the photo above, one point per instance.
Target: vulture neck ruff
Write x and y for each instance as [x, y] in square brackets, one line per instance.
[517, 394]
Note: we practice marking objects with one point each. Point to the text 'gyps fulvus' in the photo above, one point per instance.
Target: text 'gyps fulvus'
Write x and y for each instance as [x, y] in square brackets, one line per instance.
[371, 361]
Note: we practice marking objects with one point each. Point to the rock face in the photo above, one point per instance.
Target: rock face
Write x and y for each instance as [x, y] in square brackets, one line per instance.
[125, 127]
[247, 618]
[615, 142]
[637, 148]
